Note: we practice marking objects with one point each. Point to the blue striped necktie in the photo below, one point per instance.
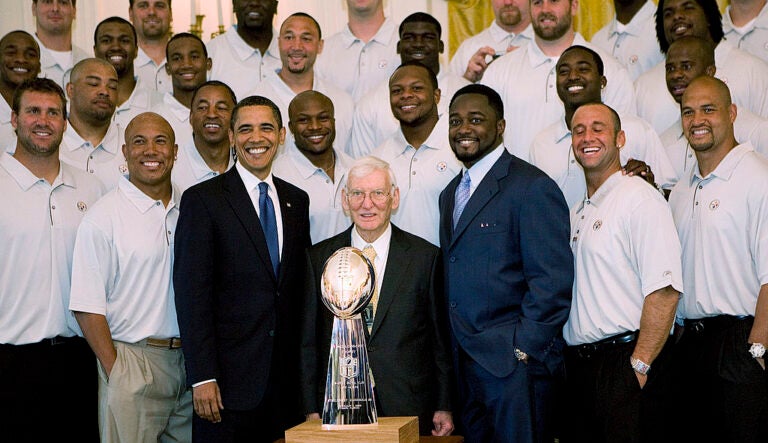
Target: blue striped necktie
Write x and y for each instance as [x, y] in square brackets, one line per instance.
[269, 225]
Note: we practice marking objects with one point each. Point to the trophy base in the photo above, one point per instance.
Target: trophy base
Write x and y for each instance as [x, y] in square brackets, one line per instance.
[387, 430]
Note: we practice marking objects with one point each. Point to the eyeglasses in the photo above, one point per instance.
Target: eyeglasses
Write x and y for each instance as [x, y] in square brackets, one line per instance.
[377, 196]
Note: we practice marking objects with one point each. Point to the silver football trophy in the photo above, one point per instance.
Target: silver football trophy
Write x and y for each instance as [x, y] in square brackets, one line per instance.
[347, 284]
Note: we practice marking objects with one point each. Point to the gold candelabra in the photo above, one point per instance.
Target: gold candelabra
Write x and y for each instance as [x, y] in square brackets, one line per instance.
[197, 27]
[217, 33]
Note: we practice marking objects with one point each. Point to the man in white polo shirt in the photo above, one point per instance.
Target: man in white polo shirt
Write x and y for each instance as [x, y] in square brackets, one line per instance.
[530, 99]
[362, 55]
[745, 23]
[123, 295]
[629, 37]
[628, 282]
[510, 30]
[19, 61]
[314, 165]
[300, 42]
[720, 210]
[580, 80]
[46, 370]
[418, 152]
[92, 140]
[115, 42]
[188, 64]
[249, 46]
[53, 32]
[208, 153]
[152, 21]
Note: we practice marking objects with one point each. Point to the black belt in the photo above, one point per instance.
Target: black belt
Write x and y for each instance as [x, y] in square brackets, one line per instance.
[588, 350]
[58, 340]
[699, 325]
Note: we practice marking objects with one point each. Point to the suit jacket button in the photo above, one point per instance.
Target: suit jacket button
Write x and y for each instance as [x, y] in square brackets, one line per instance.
[453, 259]
[271, 332]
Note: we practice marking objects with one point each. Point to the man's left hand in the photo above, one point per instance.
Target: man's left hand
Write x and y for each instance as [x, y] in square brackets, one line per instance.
[443, 422]
[641, 379]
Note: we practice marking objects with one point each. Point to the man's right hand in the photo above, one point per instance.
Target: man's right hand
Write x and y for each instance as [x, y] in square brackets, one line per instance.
[207, 401]
[477, 65]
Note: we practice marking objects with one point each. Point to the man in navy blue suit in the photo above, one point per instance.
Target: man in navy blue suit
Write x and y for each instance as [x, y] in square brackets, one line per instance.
[240, 244]
[504, 230]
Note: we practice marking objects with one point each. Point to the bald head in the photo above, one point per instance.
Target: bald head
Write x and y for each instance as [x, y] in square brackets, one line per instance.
[302, 99]
[85, 65]
[146, 120]
[713, 86]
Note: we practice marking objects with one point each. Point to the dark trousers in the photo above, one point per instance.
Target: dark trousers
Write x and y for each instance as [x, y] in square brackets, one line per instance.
[722, 390]
[48, 392]
[517, 408]
[267, 422]
[604, 402]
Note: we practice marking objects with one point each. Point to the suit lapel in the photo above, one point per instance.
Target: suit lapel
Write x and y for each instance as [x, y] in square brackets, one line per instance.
[240, 202]
[289, 216]
[397, 261]
[485, 191]
[446, 212]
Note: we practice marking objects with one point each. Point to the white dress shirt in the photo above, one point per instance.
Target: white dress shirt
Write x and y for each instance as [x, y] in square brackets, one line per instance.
[251, 183]
[381, 246]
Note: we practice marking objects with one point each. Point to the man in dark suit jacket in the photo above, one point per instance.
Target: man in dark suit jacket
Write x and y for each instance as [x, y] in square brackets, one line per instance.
[407, 344]
[508, 276]
[236, 296]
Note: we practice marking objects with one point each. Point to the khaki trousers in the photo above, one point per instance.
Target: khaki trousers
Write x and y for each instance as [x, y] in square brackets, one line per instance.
[145, 398]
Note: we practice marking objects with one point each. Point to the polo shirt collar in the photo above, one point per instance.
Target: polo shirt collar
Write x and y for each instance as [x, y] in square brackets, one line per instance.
[140, 97]
[24, 177]
[383, 36]
[180, 111]
[243, 50]
[200, 169]
[143, 59]
[139, 199]
[499, 35]
[727, 165]
[597, 198]
[5, 113]
[46, 59]
[562, 131]
[433, 141]
[109, 143]
[636, 26]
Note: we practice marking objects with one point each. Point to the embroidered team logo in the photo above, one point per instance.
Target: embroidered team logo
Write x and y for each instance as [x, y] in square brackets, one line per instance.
[598, 224]
[348, 366]
[714, 204]
[123, 169]
[81, 206]
[442, 166]
[633, 60]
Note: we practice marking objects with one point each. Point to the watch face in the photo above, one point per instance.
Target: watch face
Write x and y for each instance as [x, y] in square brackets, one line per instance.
[757, 350]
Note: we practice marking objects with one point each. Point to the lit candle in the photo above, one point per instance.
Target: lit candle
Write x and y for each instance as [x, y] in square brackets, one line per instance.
[221, 14]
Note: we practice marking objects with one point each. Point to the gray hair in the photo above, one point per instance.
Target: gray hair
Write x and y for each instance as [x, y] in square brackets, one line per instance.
[368, 164]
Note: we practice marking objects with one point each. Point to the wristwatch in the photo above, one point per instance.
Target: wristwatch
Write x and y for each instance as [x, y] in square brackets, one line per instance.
[639, 366]
[757, 350]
